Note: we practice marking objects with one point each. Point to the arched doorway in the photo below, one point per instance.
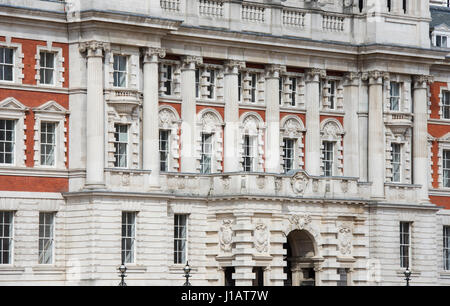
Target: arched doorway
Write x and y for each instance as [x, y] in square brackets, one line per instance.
[301, 259]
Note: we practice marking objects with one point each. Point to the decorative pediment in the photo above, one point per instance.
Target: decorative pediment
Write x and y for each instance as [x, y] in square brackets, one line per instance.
[442, 27]
[445, 138]
[51, 107]
[12, 104]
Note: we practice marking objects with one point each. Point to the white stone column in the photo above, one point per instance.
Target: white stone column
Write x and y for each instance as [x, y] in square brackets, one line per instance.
[150, 122]
[231, 131]
[188, 113]
[95, 115]
[420, 135]
[376, 147]
[351, 125]
[312, 138]
[272, 78]
[363, 117]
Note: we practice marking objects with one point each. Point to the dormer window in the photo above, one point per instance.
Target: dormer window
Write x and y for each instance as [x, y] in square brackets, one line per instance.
[441, 41]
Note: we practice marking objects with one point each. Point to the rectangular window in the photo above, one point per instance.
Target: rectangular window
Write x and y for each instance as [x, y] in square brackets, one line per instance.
[289, 151]
[240, 86]
[293, 91]
[228, 276]
[6, 64]
[280, 89]
[6, 237]
[7, 141]
[197, 83]
[259, 276]
[249, 151]
[446, 168]
[168, 75]
[121, 145]
[47, 68]
[128, 236]
[441, 41]
[207, 150]
[164, 150]
[396, 162]
[446, 104]
[389, 5]
[46, 237]
[211, 79]
[405, 244]
[180, 238]
[120, 71]
[328, 158]
[395, 96]
[253, 86]
[343, 277]
[446, 248]
[48, 143]
[332, 94]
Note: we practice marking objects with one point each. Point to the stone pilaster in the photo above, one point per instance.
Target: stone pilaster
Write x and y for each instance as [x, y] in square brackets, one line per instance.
[231, 133]
[312, 138]
[351, 145]
[420, 135]
[150, 122]
[272, 77]
[188, 113]
[95, 114]
[243, 250]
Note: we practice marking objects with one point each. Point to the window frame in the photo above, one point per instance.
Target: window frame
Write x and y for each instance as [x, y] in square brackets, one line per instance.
[118, 72]
[395, 97]
[395, 162]
[251, 156]
[167, 160]
[407, 245]
[46, 68]
[332, 94]
[325, 161]
[117, 142]
[133, 237]
[177, 238]
[55, 143]
[445, 104]
[293, 153]
[203, 154]
[8, 64]
[10, 237]
[13, 141]
[444, 169]
[51, 238]
[446, 247]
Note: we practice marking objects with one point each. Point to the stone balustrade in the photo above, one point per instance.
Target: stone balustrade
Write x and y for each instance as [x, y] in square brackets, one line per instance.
[293, 18]
[212, 8]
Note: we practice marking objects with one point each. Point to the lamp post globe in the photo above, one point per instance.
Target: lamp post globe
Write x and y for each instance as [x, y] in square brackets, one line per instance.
[122, 270]
[187, 270]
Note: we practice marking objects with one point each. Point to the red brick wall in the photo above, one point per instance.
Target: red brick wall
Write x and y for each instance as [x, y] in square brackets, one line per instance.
[435, 90]
[35, 184]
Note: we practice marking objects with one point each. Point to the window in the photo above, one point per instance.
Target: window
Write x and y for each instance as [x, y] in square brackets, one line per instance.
[180, 235]
[120, 145]
[47, 68]
[207, 150]
[280, 90]
[46, 237]
[259, 276]
[293, 91]
[289, 152]
[389, 5]
[211, 79]
[253, 86]
[446, 168]
[6, 64]
[228, 276]
[405, 244]
[446, 248]
[343, 277]
[240, 86]
[249, 153]
[164, 150]
[396, 162]
[197, 83]
[404, 6]
[446, 104]
[441, 41]
[48, 143]
[6, 237]
[7, 141]
[332, 94]
[328, 158]
[361, 5]
[120, 71]
[128, 236]
[168, 75]
[395, 96]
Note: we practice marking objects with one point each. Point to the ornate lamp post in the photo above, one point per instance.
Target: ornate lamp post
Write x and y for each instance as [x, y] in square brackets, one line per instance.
[407, 275]
[122, 270]
[187, 270]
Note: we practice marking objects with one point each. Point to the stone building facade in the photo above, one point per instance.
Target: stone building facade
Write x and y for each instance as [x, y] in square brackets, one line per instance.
[265, 142]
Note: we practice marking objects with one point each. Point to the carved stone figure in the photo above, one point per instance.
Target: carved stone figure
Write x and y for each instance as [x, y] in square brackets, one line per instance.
[261, 236]
[300, 221]
[345, 240]
[299, 182]
[226, 235]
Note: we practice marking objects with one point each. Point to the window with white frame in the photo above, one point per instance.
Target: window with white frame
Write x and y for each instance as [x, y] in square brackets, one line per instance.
[169, 79]
[120, 70]
[446, 168]
[48, 143]
[405, 244]
[7, 141]
[395, 96]
[180, 238]
[197, 83]
[332, 94]
[289, 154]
[445, 104]
[446, 249]
[249, 153]
[47, 68]
[164, 150]
[211, 79]
[121, 145]
[343, 277]
[240, 86]
[206, 155]
[6, 64]
[328, 158]
[46, 237]
[280, 89]
[396, 162]
[441, 41]
[6, 237]
[253, 85]
[128, 236]
[293, 91]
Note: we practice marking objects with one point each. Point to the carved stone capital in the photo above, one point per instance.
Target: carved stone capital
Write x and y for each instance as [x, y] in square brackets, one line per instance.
[151, 54]
[315, 74]
[233, 66]
[274, 71]
[421, 81]
[94, 48]
[189, 62]
[352, 78]
[375, 76]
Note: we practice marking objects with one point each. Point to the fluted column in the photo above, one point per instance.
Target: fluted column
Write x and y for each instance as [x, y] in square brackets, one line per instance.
[95, 114]
[231, 133]
[351, 125]
[312, 139]
[150, 122]
[188, 113]
[420, 135]
[376, 147]
[273, 118]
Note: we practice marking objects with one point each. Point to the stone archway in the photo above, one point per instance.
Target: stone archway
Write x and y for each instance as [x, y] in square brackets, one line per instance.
[301, 257]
